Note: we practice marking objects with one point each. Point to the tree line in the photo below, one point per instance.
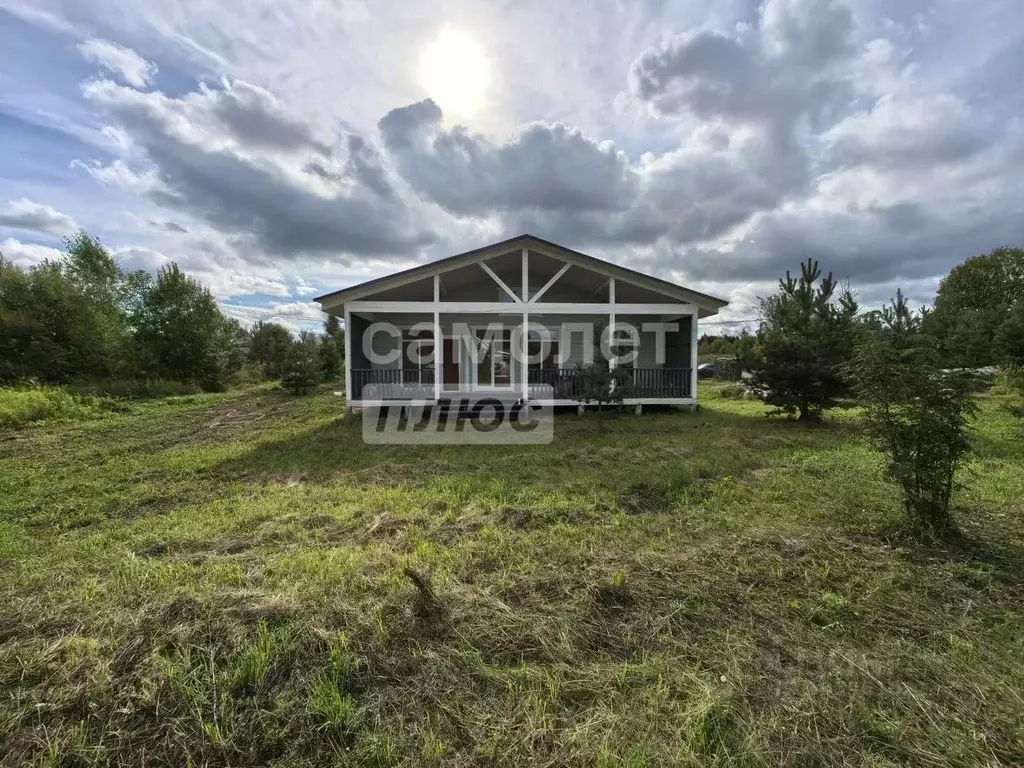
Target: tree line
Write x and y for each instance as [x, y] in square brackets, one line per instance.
[82, 319]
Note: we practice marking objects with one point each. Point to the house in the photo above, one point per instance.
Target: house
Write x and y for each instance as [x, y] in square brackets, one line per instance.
[516, 319]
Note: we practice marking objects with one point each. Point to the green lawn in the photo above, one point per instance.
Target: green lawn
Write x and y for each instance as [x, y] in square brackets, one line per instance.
[221, 580]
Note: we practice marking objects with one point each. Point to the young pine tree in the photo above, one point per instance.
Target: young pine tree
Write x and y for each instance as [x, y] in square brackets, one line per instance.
[805, 340]
[302, 371]
[600, 382]
[916, 413]
[331, 360]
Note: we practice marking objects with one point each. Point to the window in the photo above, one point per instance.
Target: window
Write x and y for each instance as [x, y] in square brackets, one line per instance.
[417, 357]
[494, 358]
[550, 360]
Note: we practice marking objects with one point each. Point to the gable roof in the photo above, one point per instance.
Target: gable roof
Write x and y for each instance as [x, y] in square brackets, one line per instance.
[559, 251]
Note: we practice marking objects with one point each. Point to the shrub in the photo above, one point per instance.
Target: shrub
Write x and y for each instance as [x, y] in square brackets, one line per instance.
[1009, 380]
[22, 406]
[916, 414]
[1008, 340]
[979, 310]
[136, 389]
[181, 334]
[246, 376]
[600, 383]
[732, 392]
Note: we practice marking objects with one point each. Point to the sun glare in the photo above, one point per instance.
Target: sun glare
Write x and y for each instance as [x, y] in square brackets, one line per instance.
[454, 71]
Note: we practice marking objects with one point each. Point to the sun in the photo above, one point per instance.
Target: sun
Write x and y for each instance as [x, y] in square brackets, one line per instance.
[454, 71]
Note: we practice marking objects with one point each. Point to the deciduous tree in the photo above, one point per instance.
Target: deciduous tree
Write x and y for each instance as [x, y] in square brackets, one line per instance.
[269, 347]
[974, 300]
[181, 333]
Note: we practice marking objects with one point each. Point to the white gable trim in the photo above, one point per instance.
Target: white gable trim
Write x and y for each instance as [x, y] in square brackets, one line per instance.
[335, 301]
[501, 283]
[536, 297]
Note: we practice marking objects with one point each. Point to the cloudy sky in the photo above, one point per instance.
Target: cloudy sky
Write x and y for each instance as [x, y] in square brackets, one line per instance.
[280, 148]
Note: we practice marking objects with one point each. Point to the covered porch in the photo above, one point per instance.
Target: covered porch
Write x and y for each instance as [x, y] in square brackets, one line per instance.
[519, 325]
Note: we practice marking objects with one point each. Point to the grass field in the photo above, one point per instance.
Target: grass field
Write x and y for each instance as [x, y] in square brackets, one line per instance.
[224, 580]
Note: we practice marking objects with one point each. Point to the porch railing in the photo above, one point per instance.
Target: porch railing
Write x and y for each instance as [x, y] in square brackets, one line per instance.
[662, 382]
[399, 382]
[567, 383]
[555, 383]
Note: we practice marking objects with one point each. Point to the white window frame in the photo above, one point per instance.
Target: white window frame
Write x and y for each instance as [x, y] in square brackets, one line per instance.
[474, 376]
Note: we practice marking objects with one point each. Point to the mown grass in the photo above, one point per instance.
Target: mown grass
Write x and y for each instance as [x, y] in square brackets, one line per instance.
[238, 580]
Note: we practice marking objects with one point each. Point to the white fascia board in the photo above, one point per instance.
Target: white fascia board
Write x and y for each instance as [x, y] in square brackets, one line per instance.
[506, 308]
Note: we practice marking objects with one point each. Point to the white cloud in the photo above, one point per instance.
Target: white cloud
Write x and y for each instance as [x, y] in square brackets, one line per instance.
[235, 157]
[120, 61]
[27, 254]
[120, 174]
[303, 289]
[36, 217]
[925, 130]
[309, 309]
[296, 316]
[133, 258]
[223, 281]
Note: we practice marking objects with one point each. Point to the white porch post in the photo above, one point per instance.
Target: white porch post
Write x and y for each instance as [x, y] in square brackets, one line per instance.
[438, 343]
[693, 356]
[348, 362]
[524, 343]
[523, 353]
[526, 275]
[611, 321]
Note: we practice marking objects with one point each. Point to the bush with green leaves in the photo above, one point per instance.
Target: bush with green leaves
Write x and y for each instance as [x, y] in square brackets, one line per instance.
[302, 371]
[917, 414]
[804, 341]
[732, 392]
[1008, 338]
[135, 389]
[1009, 380]
[35, 403]
[603, 385]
